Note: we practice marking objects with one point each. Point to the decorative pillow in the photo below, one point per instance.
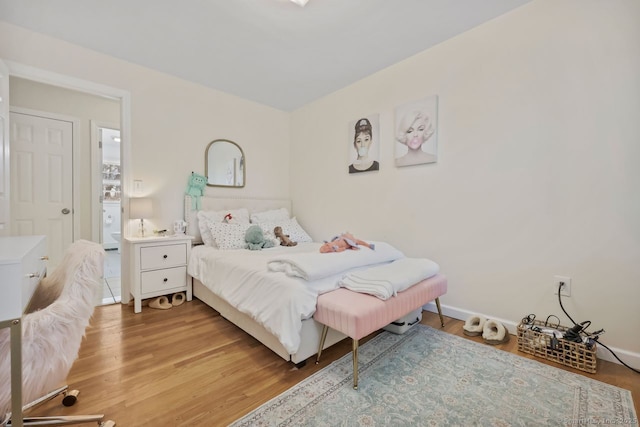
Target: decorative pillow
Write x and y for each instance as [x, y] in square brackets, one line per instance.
[239, 216]
[281, 214]
[290, 227]
[229, 236]
[205, 233]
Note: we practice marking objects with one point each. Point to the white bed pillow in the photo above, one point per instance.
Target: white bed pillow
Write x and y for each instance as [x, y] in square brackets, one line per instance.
[281, 214]
[229, 236]
[289, 226]
[240, 216]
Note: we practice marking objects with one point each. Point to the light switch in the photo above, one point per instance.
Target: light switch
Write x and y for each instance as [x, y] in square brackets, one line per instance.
[138, 188]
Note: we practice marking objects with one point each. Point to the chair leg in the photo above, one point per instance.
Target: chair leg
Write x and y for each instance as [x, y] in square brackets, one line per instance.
[355, 364]
[440, 312]
[323, 337]
[61, 420]
[47, 397]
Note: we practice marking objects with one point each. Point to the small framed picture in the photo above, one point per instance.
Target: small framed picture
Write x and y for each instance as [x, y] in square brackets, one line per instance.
[364, 144]
[416, 132]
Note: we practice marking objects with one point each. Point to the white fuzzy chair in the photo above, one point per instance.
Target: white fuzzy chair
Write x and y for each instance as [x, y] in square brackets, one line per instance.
[52, 331]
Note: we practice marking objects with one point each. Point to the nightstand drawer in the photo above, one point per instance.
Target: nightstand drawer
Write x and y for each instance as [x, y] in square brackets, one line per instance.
[164, 256]
[158, 280]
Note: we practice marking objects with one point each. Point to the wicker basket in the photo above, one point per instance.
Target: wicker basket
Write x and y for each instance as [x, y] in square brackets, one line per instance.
[541, 344]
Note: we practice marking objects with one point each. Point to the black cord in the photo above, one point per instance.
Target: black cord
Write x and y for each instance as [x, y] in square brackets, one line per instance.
[576, 325]
[616, 356]
[546, 322]
[561, 306]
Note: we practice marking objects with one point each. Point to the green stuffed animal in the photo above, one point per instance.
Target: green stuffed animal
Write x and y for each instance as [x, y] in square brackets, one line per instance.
[195, 189]
[255, 239]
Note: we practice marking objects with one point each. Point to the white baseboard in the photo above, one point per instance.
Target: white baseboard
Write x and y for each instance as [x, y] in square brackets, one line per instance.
[630, 358]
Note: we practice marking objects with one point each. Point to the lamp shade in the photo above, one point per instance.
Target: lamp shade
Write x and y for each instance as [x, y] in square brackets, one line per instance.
[140, 208]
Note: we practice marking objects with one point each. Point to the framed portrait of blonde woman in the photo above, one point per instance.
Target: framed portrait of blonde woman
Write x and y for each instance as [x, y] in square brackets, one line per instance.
[364, 144]
[416, 132]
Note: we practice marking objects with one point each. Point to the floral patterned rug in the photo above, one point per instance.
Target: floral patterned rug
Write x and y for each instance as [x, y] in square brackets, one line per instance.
[430, 378]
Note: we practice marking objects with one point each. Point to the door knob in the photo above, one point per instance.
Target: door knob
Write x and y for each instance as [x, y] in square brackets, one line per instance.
[65, 211]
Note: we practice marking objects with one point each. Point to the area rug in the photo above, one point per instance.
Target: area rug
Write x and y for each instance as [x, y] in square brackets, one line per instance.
[430, 378]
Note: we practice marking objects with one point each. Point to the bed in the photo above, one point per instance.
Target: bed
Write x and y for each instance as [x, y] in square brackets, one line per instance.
[273, 306]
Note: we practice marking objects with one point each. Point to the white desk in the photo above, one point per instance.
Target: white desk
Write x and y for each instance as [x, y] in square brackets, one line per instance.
[22, 265]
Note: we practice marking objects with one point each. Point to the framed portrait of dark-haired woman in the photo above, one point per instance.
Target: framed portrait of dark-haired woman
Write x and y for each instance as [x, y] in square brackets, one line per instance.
[364, 144]
[416, 132]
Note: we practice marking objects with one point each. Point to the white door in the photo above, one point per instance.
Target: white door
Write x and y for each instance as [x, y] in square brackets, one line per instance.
[41, 180]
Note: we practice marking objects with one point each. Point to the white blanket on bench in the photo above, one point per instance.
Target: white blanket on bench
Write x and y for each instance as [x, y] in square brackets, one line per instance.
[314, 266]
[385, 281]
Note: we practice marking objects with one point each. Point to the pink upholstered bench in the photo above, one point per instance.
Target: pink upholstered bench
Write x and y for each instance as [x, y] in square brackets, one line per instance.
[357, 314]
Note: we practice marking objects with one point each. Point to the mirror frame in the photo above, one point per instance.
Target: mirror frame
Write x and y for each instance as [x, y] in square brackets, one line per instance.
[243, 163]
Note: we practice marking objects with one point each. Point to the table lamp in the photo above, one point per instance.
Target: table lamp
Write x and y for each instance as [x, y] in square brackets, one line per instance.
[140, 208]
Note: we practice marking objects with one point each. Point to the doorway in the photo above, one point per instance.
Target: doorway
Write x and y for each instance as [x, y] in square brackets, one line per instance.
[108, 162]
[83, 109]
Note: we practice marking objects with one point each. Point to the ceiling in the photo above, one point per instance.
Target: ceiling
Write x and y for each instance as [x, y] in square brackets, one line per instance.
[270, 51]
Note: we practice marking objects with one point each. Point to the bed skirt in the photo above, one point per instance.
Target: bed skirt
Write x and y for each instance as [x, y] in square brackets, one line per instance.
[311, 330]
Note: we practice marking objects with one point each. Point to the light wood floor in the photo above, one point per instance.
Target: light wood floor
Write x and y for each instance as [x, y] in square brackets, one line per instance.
[188, 366]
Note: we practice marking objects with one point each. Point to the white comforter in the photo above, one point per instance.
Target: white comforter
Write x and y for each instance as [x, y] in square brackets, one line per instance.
[385, 281]
[315, 265]
[275, 300]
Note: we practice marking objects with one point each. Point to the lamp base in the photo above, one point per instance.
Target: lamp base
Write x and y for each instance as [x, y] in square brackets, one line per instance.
[141, 229]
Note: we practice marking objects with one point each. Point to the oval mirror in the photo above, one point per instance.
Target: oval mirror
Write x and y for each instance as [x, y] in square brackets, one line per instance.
[224, 164]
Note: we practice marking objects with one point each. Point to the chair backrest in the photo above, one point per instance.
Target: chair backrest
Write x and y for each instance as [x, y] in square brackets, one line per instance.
[51, 336]
[51, 286]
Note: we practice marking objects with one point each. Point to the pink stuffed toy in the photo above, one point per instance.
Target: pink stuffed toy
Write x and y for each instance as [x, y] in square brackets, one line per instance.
[343, 242]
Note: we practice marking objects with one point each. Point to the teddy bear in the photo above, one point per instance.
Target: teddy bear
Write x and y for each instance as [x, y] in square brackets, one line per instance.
[284, 238]
[343, 242]
[255, 239]
[195, 189]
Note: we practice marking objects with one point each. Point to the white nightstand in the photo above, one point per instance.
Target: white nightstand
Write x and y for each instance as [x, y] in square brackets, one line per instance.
[159, 267]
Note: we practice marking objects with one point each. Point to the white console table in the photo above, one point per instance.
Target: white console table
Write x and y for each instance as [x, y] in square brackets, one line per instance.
[22, 265]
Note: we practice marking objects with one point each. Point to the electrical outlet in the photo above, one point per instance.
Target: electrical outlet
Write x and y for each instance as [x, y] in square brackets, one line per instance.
[566, 288]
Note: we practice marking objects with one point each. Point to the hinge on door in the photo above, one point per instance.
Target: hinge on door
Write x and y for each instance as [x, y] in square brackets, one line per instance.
[100, 144]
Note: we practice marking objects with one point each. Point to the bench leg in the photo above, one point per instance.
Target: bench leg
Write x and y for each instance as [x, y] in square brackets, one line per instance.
[355, 364]
[440, 311]
[323, 337]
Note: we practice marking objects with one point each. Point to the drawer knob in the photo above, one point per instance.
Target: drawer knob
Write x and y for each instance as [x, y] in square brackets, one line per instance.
[44, 258]
[165, 256]
[32, 275]
[165, 280]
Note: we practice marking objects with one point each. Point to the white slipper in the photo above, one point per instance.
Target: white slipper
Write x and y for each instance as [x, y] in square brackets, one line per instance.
[178, 298]
[161, 303]
[494, 332]
[473, 326]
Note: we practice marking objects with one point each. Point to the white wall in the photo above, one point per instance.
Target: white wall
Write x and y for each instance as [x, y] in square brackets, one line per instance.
[537, 175]
[172, 122]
